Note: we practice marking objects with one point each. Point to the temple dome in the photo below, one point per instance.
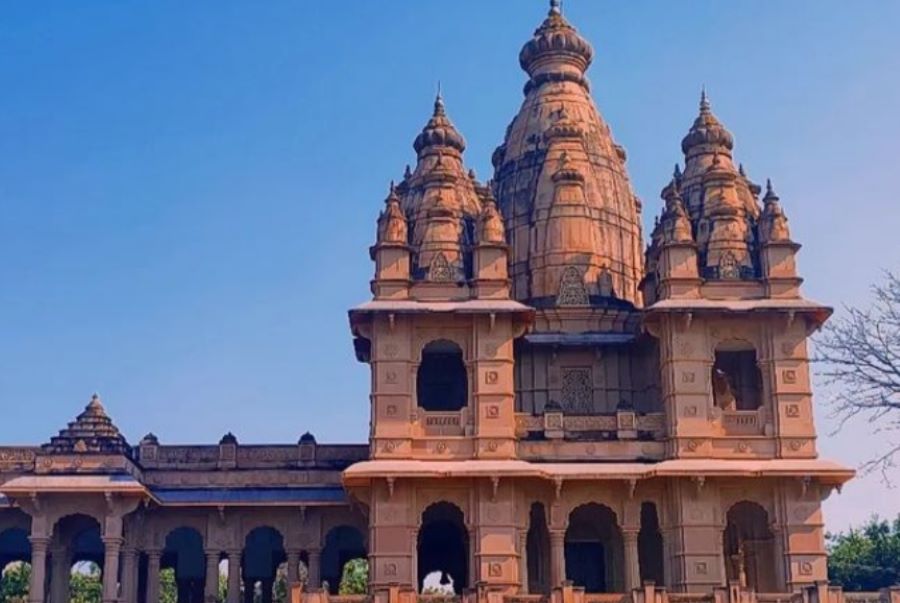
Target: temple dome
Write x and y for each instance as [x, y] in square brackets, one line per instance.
[439, 133]
[556, 150]
[707, 131]
[556, 48]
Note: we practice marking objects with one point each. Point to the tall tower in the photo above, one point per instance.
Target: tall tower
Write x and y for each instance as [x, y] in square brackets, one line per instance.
[438, 336]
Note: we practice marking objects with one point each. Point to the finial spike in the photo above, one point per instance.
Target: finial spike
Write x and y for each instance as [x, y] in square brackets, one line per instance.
[677, 172]
[769, 189]
[439, 101]
[555, 7]
[704, 100]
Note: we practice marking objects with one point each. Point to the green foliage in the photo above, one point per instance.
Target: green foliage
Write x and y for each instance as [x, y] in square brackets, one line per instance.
[168, 589]
[14, 583]
[355, 578]
[85, 583]
[868, 558]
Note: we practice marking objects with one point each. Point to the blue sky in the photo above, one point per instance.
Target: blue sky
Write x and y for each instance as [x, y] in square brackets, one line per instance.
[188, 190]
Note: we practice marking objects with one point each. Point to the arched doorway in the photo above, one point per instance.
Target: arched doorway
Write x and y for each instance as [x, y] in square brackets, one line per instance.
[263, 553]
[443, 549]
[77, 537]
[184, 554]
[537, 547]
[594, 549]
[750, 547]
[342, 544]
[650, 546]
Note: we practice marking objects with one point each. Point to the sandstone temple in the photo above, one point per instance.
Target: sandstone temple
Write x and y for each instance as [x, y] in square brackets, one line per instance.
[561, 409]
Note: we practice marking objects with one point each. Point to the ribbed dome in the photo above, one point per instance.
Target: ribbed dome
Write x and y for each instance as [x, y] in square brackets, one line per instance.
[556, 48]
[439, 133]
[707, 130]
[557, 150]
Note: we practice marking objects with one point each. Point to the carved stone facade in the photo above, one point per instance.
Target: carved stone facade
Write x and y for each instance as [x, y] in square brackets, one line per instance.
[549, 402]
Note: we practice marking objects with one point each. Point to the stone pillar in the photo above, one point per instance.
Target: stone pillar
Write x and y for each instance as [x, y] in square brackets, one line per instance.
[234, 577]
[211, 591]
[59, 575]
[129, 575]
[293, 567]
[523, 561]
[557, 558]
[112, 546]
[153, 559]
[315, 569]
[632, 561]
[38, 569]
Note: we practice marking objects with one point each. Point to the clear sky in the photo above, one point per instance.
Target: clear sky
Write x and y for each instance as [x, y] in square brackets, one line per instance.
[188, 190]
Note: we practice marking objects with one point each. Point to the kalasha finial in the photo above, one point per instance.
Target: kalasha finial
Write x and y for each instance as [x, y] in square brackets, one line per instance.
[741, 170]
[555, 7]
[704, 100]
[676, 174]
[439, 101]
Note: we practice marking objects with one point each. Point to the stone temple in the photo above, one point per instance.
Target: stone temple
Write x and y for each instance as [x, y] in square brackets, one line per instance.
[560, 410]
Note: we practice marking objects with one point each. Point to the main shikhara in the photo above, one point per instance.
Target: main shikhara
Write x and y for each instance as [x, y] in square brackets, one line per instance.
[553, 405]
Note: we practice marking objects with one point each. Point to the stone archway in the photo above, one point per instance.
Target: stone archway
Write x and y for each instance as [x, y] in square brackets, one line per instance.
[443, 549]
[15, 563]
[594, 549]
[183, 554]
[749, 547]
[342, 544]
[263, 553]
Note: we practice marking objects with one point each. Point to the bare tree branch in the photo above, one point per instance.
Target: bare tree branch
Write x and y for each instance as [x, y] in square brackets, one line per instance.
[860, 354]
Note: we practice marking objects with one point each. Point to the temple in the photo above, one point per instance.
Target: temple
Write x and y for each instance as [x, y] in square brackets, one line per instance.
[559, 410]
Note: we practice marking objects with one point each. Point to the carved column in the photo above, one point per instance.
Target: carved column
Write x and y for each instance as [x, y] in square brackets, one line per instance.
[112, 546]
[557, 557]
[523, 561]
[211, 590]
[632, 561]
[293, 567]
[38, 568]
[234, 577]
[315, 569]
[153, 559]
[129, 575]
[59, 575]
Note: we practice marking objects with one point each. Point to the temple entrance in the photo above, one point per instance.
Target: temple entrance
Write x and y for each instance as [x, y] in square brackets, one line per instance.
[443, 549]
[342, 544]
[537, 551]
[594, 550]
[750, 547]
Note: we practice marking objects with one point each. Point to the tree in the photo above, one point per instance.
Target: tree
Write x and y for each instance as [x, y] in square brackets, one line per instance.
[14, 582]
[866, 559]
[355, 578]
[85, 583]
[861, 353]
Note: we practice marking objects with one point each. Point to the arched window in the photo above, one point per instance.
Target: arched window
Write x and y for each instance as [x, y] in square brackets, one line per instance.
[736, 380]
[750, 547]
[184, 554]
[441, 382]
[443, 550]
